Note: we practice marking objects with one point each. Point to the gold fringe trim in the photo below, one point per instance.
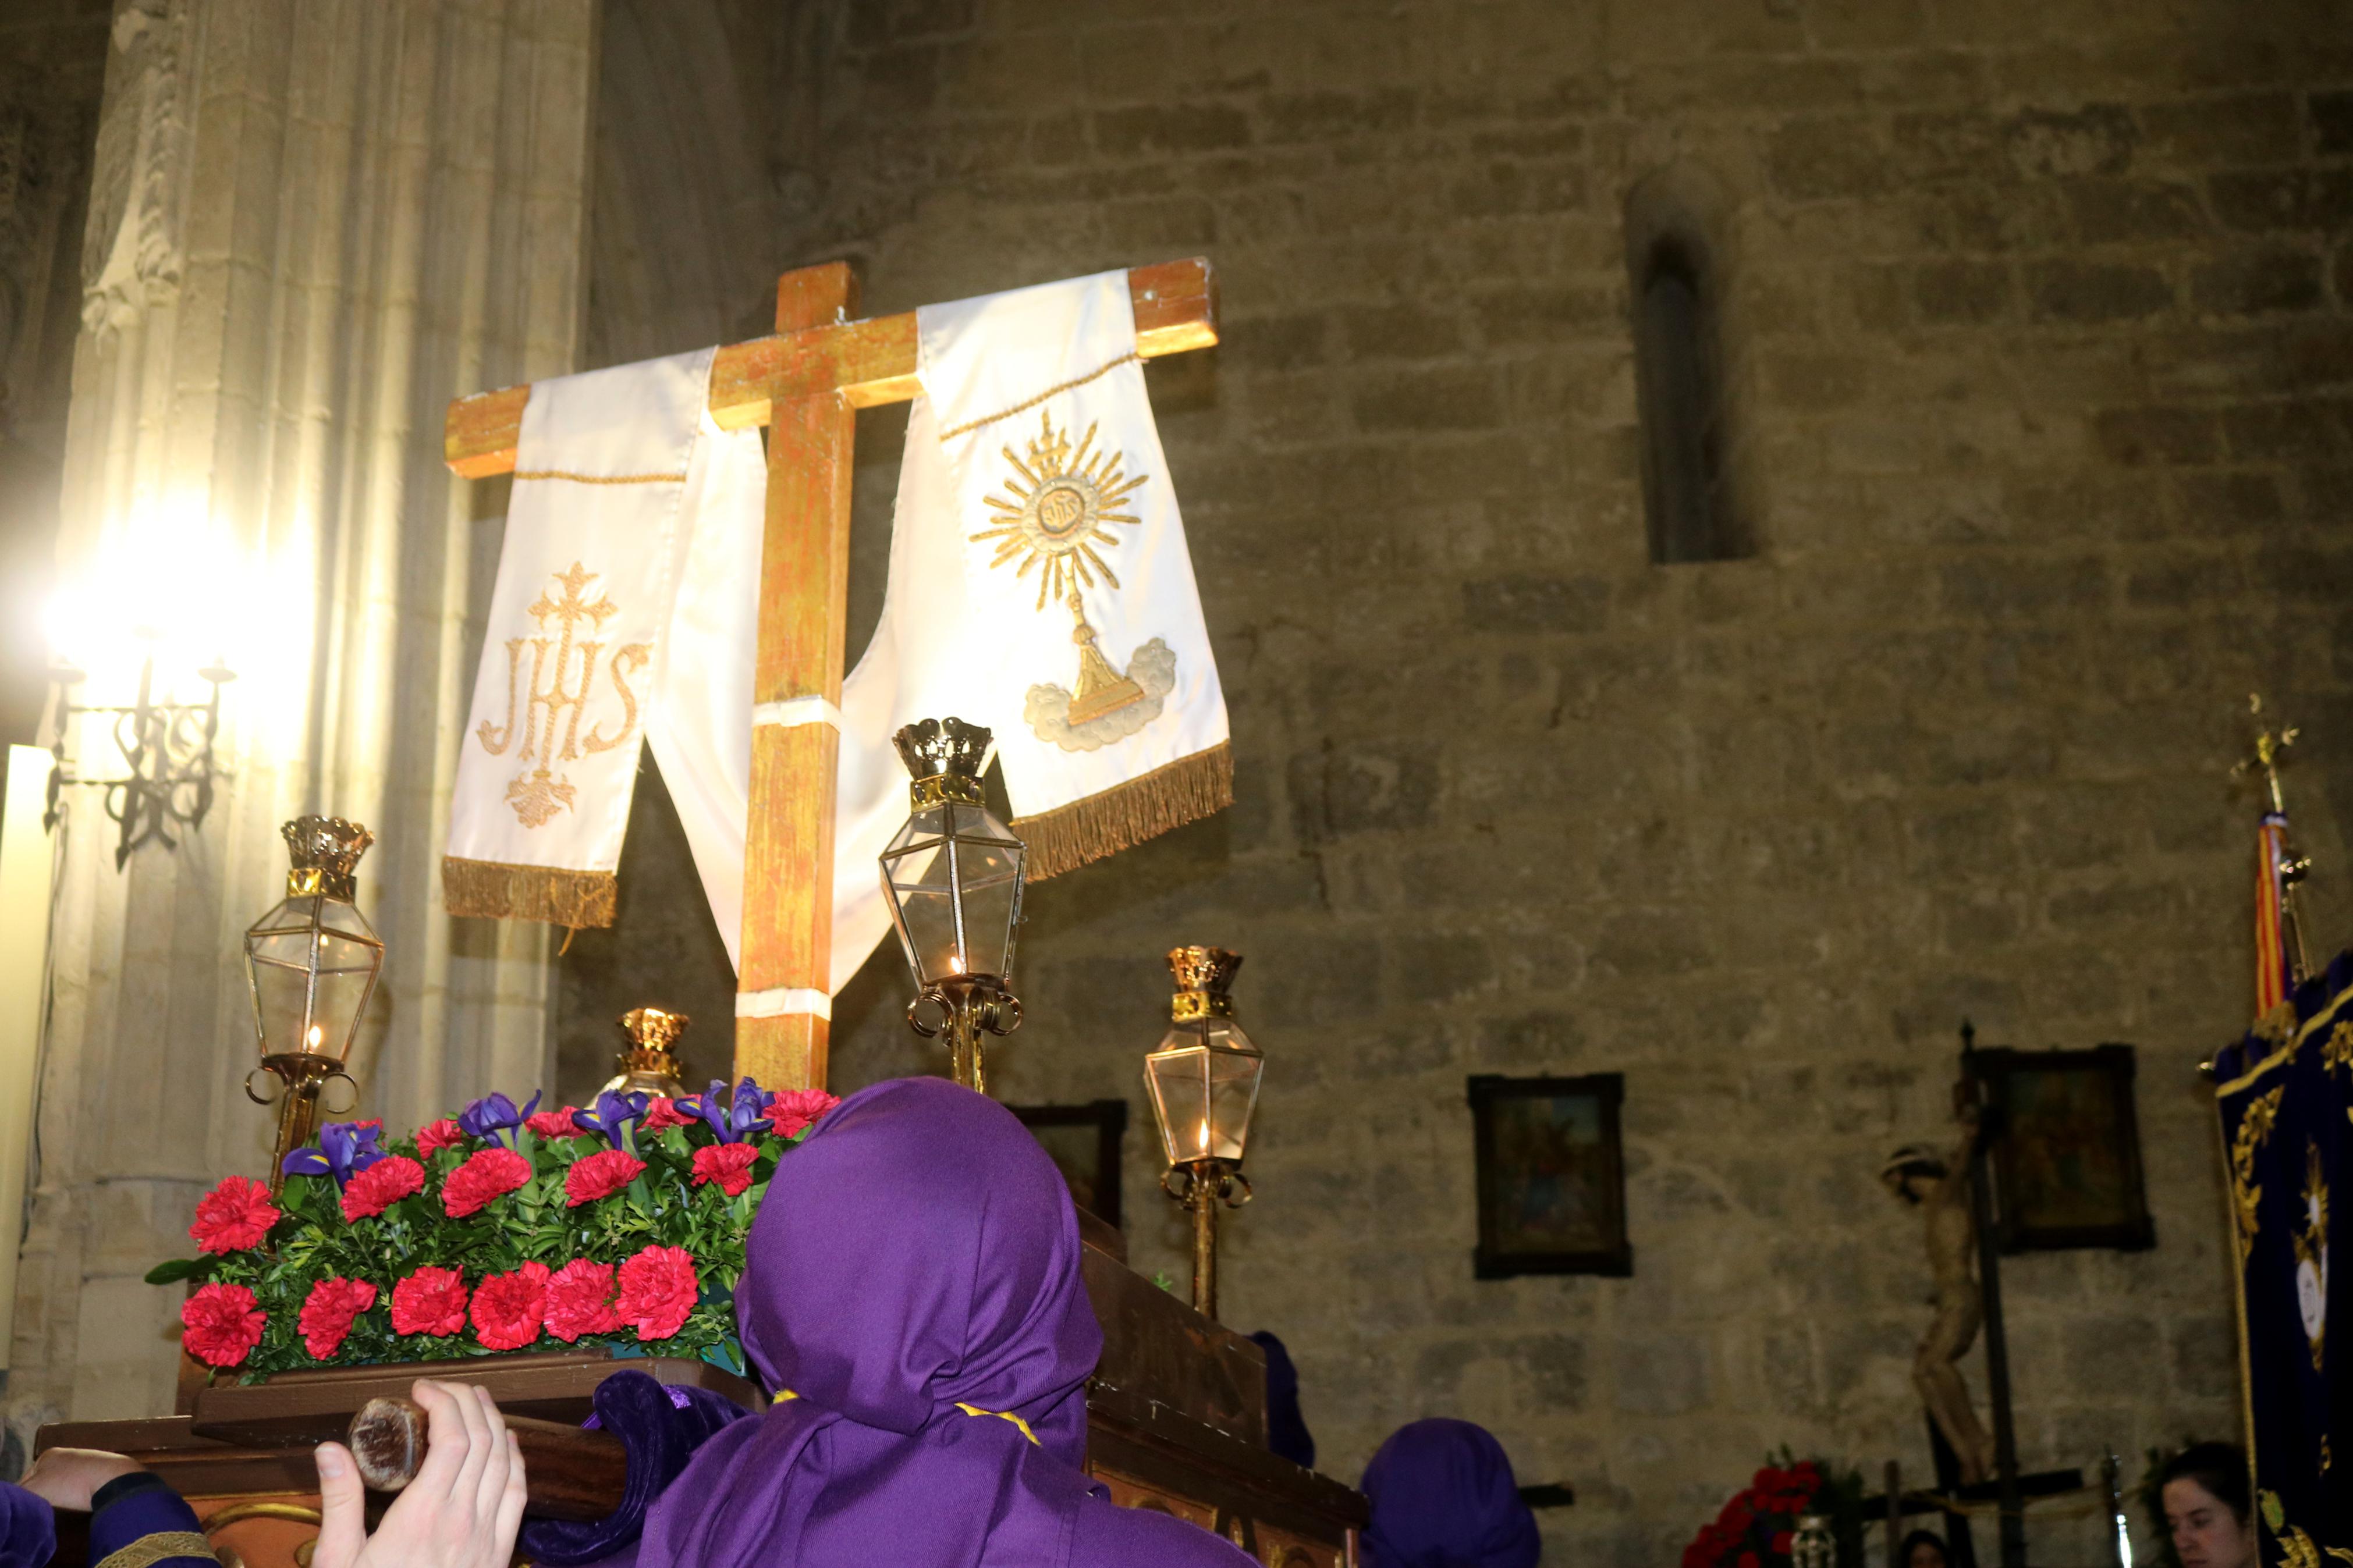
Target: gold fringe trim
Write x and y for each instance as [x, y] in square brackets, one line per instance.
[1032, 403]
[1186, 790]
[160, 1547]
[492, 889]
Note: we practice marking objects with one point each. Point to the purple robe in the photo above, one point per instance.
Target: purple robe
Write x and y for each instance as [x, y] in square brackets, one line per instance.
[916, 1255]
[1443, 1496]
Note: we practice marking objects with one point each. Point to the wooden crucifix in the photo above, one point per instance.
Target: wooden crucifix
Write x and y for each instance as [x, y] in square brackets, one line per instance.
[803, 383]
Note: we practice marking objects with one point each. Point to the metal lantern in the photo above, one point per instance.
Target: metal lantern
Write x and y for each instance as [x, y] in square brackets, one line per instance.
[953, 875]
[312, 964]
[649, 1063]
[1813, 1546]
[1204, 1083]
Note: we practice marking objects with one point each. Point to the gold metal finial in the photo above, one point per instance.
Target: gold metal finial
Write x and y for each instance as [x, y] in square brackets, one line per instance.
[651, 1065]
[945, 758]
[324, 849]
[1204, 976]
[2271, 751]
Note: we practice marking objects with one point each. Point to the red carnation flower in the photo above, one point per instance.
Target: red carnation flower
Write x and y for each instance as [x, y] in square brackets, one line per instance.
[1749, 1560]
[657, 1291]
[600, 1175]
[234, 1215]
[509, 1307]
[553, 1123]
[729, 1164]
[796, 1108]
[486, 1175]
[443, 1134]
[661, 1113]
[580, 1300]
[327, 1315]
[224, 1323]
[381, 1186]
[1781, 1539]
[430, 1302]
[374, 1122]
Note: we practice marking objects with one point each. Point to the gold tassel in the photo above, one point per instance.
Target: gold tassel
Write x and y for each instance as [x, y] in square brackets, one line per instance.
[494, 890]
[1186, 790]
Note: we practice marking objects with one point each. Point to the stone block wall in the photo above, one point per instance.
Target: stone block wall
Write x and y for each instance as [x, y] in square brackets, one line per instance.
[2037, 319]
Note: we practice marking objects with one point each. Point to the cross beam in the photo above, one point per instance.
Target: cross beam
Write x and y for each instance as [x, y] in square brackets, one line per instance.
[803, 383]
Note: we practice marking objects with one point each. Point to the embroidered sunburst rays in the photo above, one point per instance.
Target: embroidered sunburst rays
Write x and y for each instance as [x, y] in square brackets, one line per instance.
[1054, 523]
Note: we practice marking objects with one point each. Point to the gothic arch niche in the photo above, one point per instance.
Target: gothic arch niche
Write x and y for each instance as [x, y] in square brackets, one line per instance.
[1685, 361]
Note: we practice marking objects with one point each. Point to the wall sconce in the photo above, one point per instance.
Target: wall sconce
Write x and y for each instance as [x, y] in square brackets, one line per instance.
[953, 875]
[168, 747]
[312, 964]
[1204, 1083]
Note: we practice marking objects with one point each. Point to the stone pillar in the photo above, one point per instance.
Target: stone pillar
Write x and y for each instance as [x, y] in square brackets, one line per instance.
[313, 222]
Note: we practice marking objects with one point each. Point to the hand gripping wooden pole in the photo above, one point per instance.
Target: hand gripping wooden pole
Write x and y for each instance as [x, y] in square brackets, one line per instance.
[805, 382]
[569, 1472]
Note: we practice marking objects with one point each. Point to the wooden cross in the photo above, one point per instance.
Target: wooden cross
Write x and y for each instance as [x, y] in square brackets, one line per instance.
[803, 383]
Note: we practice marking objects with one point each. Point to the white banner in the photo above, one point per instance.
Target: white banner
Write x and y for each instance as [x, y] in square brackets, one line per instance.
[624, 612]
[1040, 585]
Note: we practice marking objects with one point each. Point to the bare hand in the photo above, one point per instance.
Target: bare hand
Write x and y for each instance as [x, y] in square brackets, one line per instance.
[462, 1511]
[67, 1477]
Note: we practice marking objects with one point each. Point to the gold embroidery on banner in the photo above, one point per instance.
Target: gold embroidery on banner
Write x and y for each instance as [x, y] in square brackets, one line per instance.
[2254, 1131]
[567, 474]
[1052, 525]
[636, 656]
[2336, 1051]
[556, 696]
[1026, 403]
[2296, 1547]
[2311, 1244]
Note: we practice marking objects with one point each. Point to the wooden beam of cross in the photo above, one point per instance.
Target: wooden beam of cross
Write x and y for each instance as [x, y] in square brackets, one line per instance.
[803, 383]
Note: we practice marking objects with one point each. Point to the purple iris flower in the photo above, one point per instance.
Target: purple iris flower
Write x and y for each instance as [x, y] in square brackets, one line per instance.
[493, 1114]
[739, 1119]
[614, 1116]
[346, 1149]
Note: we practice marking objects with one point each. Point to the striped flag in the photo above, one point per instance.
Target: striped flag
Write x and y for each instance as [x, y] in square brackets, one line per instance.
[2274, 976]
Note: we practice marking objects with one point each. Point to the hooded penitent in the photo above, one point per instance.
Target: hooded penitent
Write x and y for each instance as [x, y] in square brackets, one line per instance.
[912, 1296]
[1443, 1496]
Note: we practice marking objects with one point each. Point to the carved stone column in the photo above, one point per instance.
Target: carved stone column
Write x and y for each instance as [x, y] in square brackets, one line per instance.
[313, 222]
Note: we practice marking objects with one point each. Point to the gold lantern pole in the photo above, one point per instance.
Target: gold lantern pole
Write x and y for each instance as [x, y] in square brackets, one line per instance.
[1204, 1082]
[311, 964]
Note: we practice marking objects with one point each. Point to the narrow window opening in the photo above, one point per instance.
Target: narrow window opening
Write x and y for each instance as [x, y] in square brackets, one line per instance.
[1679, 371]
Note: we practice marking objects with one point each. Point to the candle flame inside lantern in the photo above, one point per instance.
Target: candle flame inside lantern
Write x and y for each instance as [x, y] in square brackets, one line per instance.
[311, 1042]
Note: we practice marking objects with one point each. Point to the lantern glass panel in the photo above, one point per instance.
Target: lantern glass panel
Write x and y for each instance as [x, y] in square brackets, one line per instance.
[953, 876]
[1204, 1085]
[312, 963]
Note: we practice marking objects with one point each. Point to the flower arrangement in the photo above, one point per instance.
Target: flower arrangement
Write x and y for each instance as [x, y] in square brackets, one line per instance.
[619, 1227]
[1757, 1527]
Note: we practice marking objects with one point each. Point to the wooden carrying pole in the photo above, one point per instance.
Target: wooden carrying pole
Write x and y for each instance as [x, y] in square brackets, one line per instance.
[803, 383]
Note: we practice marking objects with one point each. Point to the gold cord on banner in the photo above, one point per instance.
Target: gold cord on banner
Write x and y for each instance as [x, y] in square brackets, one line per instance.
[1186, 790]
[569, 475]
[492, 889]
[971, 425]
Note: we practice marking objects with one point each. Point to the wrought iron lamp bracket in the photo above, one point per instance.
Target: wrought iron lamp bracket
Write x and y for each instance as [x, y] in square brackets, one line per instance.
[168, 747]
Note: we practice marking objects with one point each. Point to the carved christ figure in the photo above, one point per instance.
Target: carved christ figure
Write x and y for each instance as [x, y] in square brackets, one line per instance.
[1938, 1185]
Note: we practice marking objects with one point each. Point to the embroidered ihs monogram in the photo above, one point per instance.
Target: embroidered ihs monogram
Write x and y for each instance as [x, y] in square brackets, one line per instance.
[565, 670]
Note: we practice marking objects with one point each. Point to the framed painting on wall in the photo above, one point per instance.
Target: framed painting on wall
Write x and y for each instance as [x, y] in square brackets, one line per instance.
[1084, 1141]
[1551, 1176]
[2066, 1148]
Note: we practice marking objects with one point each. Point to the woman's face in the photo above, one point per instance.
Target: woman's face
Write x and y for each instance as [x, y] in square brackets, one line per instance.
[2206, 1533]
[1924, 1556]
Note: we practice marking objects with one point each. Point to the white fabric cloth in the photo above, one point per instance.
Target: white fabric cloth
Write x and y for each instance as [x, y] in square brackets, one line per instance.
[1026, 392]
[625, 607]
[1031, 462]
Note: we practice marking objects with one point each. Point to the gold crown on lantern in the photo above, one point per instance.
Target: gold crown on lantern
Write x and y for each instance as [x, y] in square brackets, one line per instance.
[323, 849]
[1204, 975]
[649, 1065]
[943, 757]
